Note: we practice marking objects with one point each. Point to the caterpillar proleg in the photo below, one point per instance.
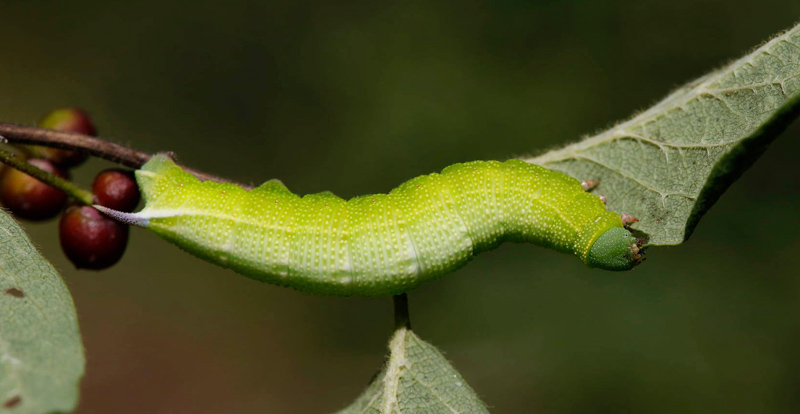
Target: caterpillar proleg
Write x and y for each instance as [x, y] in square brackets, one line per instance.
[379, 244]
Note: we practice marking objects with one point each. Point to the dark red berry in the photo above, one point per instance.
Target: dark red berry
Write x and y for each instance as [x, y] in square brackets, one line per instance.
[116, 189]
[69, 120]
[29, 198]
[90, 239]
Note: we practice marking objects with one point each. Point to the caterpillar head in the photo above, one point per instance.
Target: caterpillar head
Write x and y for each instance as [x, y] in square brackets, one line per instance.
[616, 249]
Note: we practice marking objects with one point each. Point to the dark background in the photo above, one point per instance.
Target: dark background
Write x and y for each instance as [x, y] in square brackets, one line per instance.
[355, 98]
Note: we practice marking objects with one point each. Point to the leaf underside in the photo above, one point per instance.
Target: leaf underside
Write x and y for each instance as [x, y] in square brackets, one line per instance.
[41, 355]
[416, 379]
[669, 164]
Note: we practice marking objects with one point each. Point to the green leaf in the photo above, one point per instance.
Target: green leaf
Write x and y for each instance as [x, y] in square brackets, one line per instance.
[41, 355]
[416, 379]
[669, 164]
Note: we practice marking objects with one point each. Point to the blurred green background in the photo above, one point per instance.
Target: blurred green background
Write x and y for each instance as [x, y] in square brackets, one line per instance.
[356, 97]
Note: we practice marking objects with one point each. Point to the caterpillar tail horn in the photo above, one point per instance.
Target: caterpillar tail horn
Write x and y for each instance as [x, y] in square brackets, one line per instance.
[132, 219]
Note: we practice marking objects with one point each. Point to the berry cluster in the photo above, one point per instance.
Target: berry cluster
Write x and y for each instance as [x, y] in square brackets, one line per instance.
[89, 239]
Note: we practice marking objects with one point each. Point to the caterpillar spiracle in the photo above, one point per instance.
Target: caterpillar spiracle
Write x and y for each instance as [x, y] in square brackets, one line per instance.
[379, 244]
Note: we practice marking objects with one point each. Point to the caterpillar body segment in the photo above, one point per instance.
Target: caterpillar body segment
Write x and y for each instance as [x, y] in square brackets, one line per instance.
[380, 244]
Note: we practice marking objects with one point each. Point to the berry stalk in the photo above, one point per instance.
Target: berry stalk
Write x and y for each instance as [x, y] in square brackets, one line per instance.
[66, 186]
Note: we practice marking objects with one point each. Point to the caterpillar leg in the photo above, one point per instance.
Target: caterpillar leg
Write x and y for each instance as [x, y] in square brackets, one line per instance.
[628, 219]
[589, 185]
[637, 253]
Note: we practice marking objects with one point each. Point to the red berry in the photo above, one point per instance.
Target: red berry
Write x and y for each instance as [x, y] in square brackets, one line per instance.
[90, 239]
[29, 198]
[116, 189]
[69, 120]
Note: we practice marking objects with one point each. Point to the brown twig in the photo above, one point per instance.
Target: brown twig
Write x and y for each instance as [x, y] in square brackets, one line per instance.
[98, 147]
[19, 134]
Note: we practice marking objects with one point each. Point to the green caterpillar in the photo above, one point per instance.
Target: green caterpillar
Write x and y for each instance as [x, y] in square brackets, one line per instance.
[380, 244]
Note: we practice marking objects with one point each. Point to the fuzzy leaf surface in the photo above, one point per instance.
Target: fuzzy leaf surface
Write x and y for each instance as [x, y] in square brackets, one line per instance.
[41, 355]
[669, 164]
